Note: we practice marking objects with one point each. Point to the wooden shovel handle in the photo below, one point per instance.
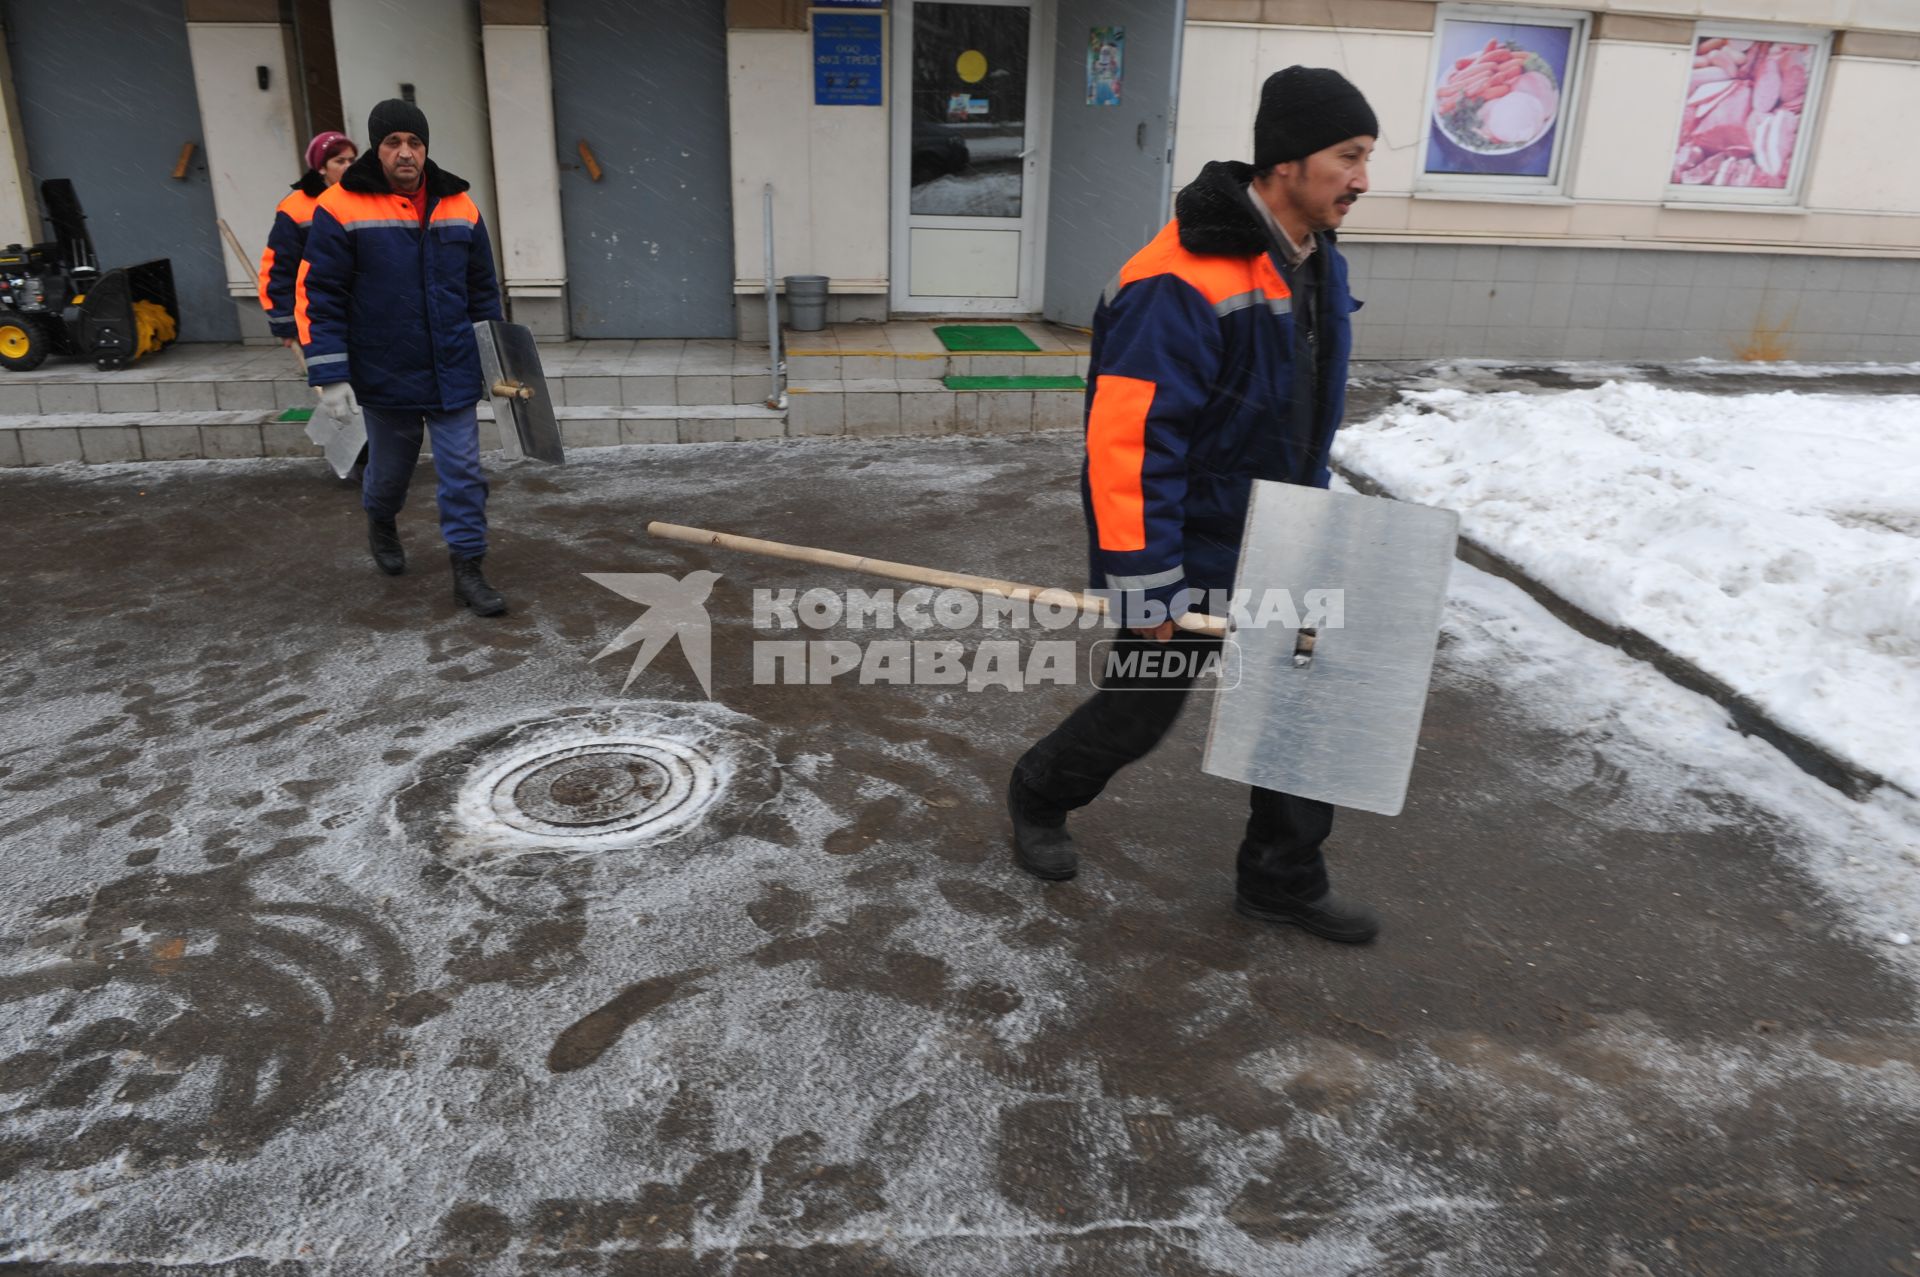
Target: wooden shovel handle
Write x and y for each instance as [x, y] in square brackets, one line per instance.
[1196, 623]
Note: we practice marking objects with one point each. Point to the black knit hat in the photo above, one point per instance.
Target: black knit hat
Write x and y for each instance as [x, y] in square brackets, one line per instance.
[1307, 109]
[395, 116]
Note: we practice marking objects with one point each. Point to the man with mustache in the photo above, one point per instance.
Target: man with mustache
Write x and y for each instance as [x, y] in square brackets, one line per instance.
[1219, 357]
[398, 269]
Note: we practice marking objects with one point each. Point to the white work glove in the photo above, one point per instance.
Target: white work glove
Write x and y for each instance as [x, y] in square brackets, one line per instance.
[337, 401]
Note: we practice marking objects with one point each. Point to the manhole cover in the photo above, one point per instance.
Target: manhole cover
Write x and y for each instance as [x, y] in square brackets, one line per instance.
[636, 788]
[561, 792]
[587, 782]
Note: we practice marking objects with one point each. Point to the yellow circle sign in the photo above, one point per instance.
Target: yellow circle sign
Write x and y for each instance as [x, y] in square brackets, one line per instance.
[972, 66]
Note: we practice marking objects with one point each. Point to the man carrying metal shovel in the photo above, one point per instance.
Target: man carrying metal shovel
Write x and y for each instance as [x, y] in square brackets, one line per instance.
[1219, 357]
[1218, 379]
[398, 270]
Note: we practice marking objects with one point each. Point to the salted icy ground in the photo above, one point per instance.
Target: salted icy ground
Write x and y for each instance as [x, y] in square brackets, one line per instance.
[1771, 539]
[368, 1176]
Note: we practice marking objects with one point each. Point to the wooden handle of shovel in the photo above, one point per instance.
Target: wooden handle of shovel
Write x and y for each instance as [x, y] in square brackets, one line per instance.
[233, 242]
[512, 390]
[246, 264]
[1194, 622]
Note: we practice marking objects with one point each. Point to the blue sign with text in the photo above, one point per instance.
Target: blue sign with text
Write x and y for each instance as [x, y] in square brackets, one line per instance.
[846, 60]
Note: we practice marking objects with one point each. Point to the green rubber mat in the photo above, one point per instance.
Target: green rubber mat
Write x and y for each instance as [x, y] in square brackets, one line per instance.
[1015, 383]
[296, 414]
[968, 338]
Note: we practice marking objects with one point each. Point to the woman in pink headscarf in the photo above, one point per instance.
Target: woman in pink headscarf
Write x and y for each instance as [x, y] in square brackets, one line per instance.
[328, 156]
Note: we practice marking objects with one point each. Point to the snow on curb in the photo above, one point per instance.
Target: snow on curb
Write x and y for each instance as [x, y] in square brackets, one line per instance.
[1766, 540]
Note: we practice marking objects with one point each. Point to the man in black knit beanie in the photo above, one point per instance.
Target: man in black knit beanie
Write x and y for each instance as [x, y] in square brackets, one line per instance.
[1219, 357]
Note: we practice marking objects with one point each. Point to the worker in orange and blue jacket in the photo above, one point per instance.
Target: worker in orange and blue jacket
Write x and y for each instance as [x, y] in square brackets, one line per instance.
[398, 269]
[328, 156]
[1219, 357]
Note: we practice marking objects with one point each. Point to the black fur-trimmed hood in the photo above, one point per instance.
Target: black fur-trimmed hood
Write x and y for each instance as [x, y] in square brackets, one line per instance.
[311, 184]
[367, 177]
[1216, 215]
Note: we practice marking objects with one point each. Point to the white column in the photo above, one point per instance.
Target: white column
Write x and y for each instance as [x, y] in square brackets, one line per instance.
[829, 166]
[253, 154]
[529, 233]
[19, 205]
[434, 45]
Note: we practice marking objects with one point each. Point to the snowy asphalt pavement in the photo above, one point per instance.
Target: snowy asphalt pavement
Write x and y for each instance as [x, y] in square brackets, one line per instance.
[276, 988]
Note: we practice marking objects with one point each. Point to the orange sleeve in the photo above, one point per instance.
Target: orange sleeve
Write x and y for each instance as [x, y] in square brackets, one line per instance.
[266, 269]
[301, 324]
[1116, 454]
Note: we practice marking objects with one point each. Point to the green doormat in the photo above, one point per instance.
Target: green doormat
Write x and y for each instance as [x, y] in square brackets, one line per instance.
[968, 338]
[296, 414]
[1015, 383]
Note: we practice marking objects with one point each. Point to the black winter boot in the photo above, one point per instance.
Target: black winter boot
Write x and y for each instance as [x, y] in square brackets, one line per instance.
[1329, 916]
[1045, 851]
[383, 538]
[472, 589]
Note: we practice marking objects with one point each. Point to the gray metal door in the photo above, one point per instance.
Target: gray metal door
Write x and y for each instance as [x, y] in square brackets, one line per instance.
[1107, 195]
[650, 243]
[107, 99]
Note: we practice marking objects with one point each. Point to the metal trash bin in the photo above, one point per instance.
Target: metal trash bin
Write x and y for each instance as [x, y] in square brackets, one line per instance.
[806, 303]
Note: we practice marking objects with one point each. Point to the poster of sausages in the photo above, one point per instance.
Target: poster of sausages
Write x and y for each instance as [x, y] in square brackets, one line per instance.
[1742, 120]
[1499, 99]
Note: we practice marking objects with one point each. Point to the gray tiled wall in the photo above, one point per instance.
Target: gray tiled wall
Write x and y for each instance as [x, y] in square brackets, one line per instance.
[1426, 301]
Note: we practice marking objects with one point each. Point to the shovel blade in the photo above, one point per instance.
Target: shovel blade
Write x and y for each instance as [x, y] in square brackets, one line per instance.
[340, 441]
[510, 360]
[1341, 723]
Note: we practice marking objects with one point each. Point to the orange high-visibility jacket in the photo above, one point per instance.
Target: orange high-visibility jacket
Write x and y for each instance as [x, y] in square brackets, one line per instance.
[388, 301]
[1192, 389]
[286, 245]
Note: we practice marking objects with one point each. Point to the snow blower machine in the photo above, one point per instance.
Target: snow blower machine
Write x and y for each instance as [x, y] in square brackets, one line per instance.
[55, 299]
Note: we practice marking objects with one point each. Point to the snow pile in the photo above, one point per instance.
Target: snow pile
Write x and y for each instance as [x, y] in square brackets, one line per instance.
[1771, 539]
[1788, 368]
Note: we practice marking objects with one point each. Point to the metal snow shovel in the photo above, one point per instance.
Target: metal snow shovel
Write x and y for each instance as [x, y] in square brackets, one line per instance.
[510, 366]
[340, 441]
[1330, 711]
[1337, 718]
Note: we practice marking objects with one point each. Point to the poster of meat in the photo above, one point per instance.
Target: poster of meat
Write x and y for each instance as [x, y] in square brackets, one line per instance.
[1498, 98]
[1742, 118]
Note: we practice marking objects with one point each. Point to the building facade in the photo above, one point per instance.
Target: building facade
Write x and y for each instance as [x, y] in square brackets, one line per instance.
[1620, 178]
[1693, 178]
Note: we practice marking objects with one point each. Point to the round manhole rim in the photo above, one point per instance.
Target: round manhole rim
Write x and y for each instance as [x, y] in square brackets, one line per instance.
[690, 786]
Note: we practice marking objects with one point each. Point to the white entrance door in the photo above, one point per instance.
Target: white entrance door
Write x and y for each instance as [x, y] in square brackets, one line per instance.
[972, 81]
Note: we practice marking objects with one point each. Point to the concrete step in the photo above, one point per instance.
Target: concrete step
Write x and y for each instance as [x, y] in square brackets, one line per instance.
[240, 393]
[216, 434]
[805, 364]
[912, 351]
[877, 406]
[571, 388]
[605, 425]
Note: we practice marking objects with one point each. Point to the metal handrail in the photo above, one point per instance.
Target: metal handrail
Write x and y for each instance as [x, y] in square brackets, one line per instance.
[776, 367]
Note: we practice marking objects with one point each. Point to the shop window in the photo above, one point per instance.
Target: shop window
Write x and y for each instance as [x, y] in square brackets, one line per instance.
[1501, 95]
[1746, 122]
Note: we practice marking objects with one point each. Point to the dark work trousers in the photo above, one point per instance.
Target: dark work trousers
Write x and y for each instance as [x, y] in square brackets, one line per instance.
[393, 449]
[1120, 724]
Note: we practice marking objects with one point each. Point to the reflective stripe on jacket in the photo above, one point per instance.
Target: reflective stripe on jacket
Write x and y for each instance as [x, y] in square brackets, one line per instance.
[387, 301]
[1190, 393]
